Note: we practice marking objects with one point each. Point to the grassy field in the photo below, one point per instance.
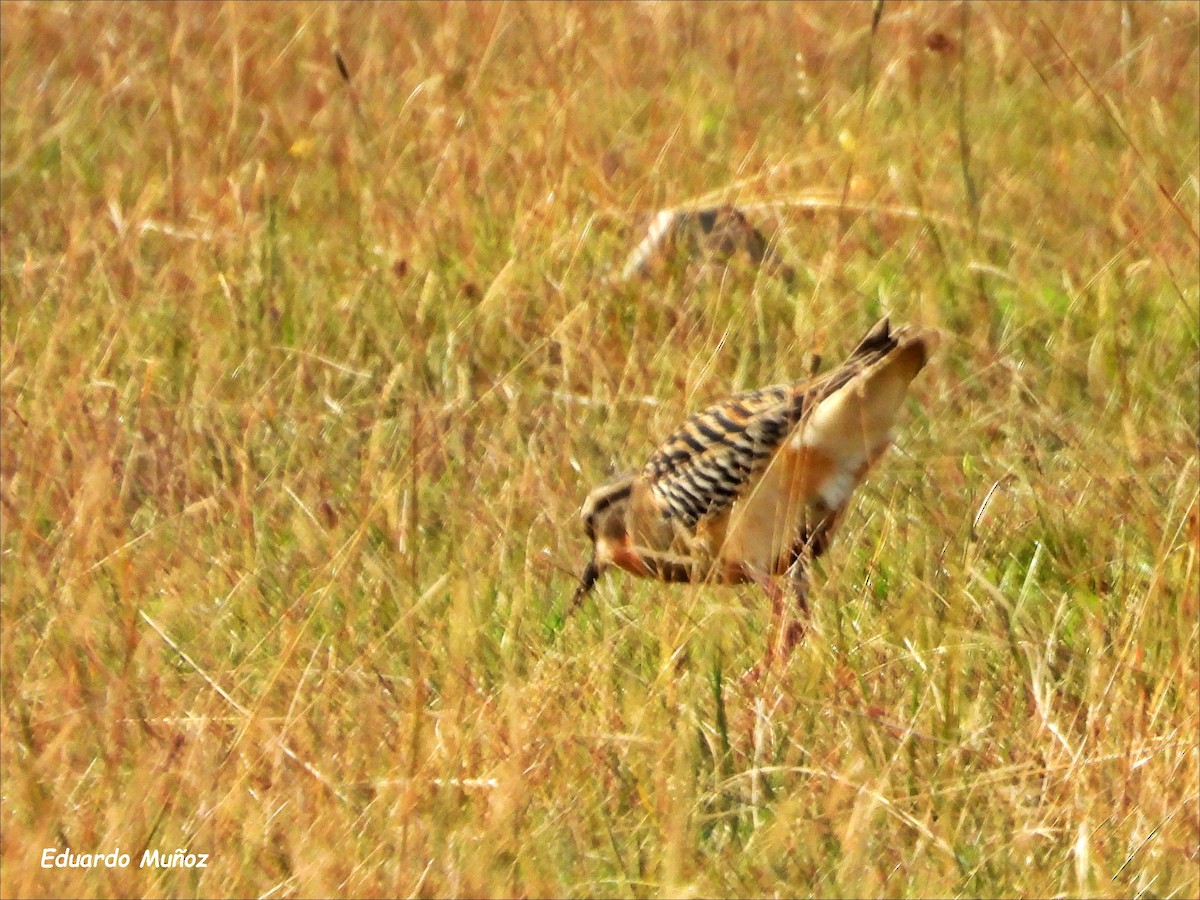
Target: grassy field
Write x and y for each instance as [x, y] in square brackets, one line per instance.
[305, 380]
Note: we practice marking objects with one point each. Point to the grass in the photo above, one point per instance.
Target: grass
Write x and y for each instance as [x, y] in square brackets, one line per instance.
[303, 383]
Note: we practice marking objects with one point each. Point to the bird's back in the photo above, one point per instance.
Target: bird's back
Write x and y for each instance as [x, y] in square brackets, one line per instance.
[751, 475]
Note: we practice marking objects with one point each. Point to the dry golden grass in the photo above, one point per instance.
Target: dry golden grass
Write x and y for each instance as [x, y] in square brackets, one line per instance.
[303, 383]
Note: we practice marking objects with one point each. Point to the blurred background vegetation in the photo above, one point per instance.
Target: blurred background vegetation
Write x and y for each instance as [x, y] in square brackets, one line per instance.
[303, 380]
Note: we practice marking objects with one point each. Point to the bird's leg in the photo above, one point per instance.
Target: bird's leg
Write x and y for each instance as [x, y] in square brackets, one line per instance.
[786, 631]
[788, 626]
[812, 544]
[798, 580]
[775, 592]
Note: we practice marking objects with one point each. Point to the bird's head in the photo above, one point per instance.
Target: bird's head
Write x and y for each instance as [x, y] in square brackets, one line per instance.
[605, 521]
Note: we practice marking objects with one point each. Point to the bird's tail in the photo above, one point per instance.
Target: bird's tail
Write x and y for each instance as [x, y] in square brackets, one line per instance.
[857, 407]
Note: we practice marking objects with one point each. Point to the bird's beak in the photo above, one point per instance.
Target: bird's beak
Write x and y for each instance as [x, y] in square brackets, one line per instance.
[587, 581]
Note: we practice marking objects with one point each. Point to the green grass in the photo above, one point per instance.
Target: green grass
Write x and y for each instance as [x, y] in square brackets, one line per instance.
[302, 385]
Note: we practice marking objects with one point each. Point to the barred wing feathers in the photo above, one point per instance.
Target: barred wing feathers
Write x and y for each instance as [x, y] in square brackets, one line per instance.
[705, 466]
[702, 468]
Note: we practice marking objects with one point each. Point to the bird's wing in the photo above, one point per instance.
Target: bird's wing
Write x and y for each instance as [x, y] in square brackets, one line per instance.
[702, 468]
[707, 464]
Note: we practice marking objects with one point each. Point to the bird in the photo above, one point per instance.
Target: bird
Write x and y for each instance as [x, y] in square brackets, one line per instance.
[715, 233]
[753, 488]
